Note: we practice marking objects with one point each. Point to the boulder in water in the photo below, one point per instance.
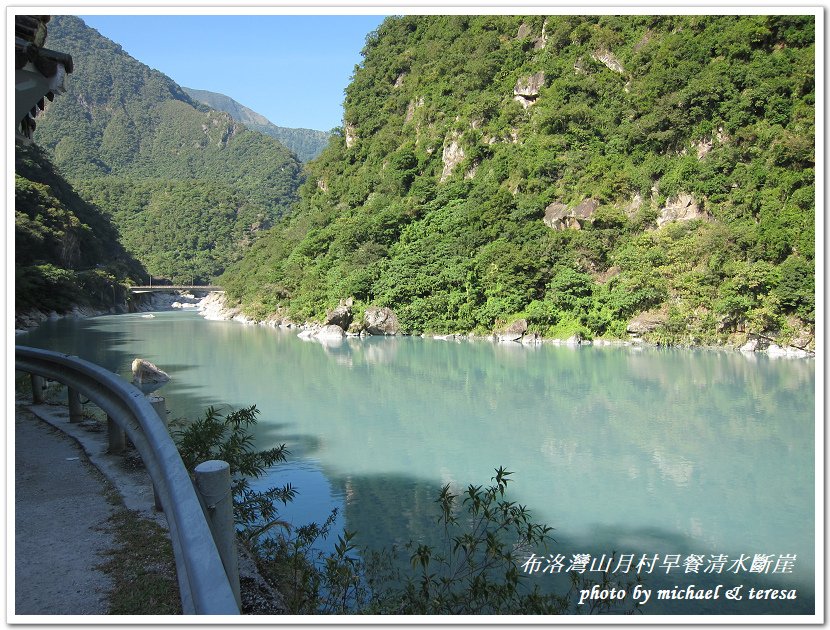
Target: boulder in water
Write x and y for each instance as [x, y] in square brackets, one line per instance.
[380, 321]
[145, 375]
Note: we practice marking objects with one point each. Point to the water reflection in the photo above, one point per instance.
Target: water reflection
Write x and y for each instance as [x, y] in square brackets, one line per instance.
[647, 451]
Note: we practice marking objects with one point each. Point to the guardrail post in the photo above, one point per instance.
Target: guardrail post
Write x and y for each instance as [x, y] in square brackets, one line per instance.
[117, 439]
[203, 579]
[213, 483]
[160, 407]
[76, 410]
[37, 389]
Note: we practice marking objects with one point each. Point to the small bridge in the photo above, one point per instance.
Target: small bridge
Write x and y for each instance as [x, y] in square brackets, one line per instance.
[174, 287]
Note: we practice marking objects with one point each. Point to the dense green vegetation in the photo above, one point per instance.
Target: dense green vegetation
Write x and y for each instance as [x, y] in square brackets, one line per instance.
[305, 143]
[66, 250]
[187, 187]
[633, 112]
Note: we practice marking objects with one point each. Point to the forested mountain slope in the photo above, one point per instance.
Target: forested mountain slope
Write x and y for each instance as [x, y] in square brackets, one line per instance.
[305, 143]
[573, 171]
[187, 186]
[66, 251]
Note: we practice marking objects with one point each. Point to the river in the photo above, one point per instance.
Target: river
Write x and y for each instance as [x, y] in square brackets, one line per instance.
[641, 451]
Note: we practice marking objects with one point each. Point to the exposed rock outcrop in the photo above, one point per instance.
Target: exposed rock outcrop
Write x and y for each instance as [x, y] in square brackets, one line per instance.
[607, 58]
[558, 216]
[574, 340]
[705, 145]
[634, 205]
[380, 321]
[340, 316]
[351, 135]
[684, 207]
[214, 307]
[453, 155]
[514, 332]
[527, 89]
[525, 31]
[27, 320]
[646, 322]
[412, 106]
[330, 332]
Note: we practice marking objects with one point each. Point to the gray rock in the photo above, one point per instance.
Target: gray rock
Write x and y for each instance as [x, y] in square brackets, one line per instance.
[452, 156]
[258, 596]
[750, 346]
[681, 208]
[527, 89]
[574, 340]
[524, 31]
[531, 339]
[774, 350]
[646, 322]
[146, 372]
[758, 344]
[514, 332]
[607, 58]
[518, 326]
[340, 316]
[147, 377]
[380, 321]
[351, 135]
[558, 216]
[330, 331]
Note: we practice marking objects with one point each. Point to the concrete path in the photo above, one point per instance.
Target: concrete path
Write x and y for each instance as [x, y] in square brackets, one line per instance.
[60, 524]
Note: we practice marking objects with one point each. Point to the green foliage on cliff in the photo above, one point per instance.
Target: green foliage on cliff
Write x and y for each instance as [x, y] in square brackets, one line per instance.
[638, 113]
[66, 250]
[187, 186]
[305, 143]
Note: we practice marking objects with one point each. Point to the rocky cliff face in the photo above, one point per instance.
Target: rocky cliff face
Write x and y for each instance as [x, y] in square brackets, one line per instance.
[572, 171]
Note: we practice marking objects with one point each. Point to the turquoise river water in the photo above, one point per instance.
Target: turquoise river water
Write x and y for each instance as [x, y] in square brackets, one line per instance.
[655, 453]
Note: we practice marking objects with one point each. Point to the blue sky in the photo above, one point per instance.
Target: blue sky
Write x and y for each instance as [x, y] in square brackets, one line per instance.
[292, 69]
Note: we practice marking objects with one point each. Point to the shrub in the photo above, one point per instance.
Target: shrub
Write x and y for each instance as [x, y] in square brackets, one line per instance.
[227, 437]
[474, 569]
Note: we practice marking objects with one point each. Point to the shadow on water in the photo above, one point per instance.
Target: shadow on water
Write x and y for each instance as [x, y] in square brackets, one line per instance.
[635, 451]
[388, 511]
[108, 342]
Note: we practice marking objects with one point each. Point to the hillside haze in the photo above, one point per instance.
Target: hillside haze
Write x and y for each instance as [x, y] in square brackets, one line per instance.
[187, 186]
[305, 143]
[585, 175]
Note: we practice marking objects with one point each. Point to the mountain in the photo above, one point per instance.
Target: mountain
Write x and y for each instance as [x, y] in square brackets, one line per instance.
[188, 187]
[592, 175]
[306, 143]
[66, 251]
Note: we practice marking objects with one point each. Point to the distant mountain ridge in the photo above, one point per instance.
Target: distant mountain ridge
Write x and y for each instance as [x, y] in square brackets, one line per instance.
[188, 187]
[307, 144]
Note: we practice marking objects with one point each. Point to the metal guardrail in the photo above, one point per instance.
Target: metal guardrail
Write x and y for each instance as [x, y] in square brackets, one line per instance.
[203, 583]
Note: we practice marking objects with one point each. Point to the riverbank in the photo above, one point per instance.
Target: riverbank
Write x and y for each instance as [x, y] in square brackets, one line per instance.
[681, 424]
[30, 319]
[214, 307]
